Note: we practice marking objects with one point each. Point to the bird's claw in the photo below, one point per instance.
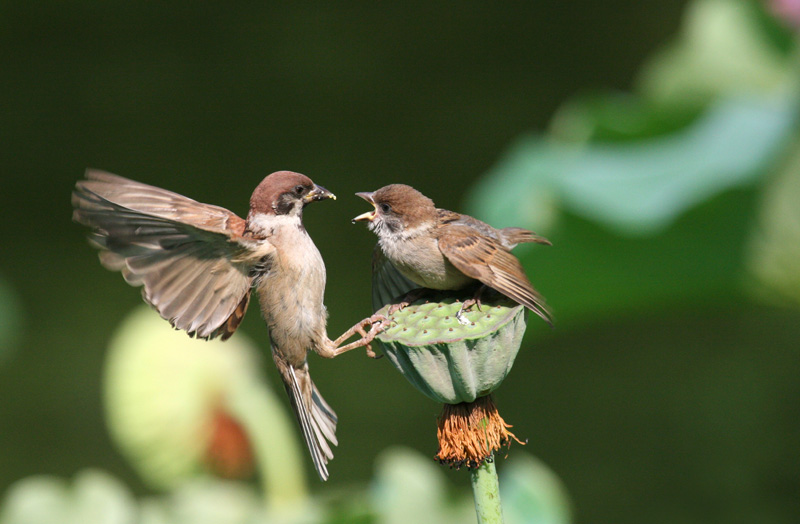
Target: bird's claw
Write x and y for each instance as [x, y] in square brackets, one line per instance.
[394, 308]
[378, 323]
[467, 304]
[408, 299]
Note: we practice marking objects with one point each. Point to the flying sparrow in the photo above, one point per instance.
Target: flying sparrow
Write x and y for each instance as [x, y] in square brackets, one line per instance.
[198, 264]
[444, 250]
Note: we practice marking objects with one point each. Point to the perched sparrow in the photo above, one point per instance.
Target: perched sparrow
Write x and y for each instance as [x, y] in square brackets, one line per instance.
[440, 249]
[198, 264]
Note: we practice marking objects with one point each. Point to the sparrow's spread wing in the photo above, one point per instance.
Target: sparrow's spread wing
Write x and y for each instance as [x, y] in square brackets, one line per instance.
[485, 259]
[190, 257]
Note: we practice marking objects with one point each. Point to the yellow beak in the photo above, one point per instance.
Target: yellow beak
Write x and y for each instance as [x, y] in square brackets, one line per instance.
[369, 215]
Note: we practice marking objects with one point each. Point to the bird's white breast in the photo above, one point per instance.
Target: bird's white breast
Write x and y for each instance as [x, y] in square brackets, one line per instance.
[291, 293]
[417, 256]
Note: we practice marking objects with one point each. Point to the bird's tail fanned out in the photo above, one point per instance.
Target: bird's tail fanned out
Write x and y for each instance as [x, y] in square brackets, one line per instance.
[316, 418]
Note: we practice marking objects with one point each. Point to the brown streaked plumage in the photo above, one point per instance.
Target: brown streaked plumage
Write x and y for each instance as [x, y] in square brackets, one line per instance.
[197, 265]
[444, 250]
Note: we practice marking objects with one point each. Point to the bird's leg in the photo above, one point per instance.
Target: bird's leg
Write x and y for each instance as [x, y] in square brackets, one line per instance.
[407, 299]
[378, 323]
[474, 301]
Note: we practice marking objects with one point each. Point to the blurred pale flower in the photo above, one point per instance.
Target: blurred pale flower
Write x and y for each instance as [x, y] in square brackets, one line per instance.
[165, 398]
[178, 407]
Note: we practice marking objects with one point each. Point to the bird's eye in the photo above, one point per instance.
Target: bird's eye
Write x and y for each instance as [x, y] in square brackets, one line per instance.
[299, 190]
[385, 208]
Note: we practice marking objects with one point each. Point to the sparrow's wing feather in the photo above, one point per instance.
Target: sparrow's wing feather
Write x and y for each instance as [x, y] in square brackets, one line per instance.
[387, 282]
[156, 202]
[508, 236]
[189, 257]
[486, 260]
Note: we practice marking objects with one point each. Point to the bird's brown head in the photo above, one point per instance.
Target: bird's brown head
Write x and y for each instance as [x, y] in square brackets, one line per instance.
[285, 193]
[398, 208]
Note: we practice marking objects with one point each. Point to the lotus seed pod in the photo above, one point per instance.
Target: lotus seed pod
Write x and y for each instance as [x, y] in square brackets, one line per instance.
[446, 360]
[457, 363]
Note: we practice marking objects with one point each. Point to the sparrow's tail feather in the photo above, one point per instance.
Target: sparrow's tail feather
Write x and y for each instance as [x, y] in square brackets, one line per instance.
[518, 235]
[317, 419]
[323, 415]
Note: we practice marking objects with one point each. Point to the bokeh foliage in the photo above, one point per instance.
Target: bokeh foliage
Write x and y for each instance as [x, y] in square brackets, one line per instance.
[668, 391]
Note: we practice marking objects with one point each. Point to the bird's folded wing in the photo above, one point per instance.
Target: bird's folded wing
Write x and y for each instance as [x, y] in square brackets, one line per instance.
[190, 257]
[485, 259]
[388, 284]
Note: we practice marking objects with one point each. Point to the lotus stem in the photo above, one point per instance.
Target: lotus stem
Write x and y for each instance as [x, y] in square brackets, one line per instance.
[486, 490]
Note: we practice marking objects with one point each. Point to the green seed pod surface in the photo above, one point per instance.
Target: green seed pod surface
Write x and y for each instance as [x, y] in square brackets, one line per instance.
[447, 361]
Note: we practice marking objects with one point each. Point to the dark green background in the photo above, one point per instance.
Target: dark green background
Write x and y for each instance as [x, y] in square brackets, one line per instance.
[684, 410]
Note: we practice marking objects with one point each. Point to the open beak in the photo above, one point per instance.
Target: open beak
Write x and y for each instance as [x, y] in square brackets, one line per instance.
[318, 193]
[369, 215]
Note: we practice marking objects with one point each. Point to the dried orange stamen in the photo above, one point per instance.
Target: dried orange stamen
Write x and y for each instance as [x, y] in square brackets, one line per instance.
[470, 432]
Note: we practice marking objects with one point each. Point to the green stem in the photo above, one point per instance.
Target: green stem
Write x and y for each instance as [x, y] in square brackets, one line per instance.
[278, 455]
[486, 490]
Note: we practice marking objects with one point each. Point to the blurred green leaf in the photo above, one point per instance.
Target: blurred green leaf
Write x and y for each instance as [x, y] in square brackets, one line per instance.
[722, 50]
[409, 487]
[636, 187]
[616, 117]
[35, 500]
[94, 498]
[153, 511]
[774, 253]
[101, 499]
[532, 493]
[591, 274]
[674, 170]
[214, 502]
